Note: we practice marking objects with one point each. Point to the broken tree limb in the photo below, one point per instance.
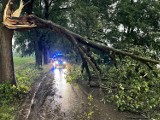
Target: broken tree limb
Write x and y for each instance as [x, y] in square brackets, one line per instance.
[80, 49]
[17, 12]
[91, 63]
[7, 11]
[29, 22]
[32, 21]
[91, 58]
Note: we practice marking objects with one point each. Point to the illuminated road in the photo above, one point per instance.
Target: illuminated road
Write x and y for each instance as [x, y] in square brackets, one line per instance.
[67, 95]
[55, 99]
[73, 100]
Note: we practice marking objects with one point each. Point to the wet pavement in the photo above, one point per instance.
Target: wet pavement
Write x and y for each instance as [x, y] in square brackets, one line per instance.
[55, 99]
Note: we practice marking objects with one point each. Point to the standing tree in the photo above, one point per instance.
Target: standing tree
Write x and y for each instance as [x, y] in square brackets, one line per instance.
[6, 55]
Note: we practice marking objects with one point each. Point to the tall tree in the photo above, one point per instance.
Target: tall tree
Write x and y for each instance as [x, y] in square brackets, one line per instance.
[6, 55]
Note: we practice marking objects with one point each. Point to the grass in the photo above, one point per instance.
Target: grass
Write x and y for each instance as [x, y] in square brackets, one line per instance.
[21, 61]
[10, 96]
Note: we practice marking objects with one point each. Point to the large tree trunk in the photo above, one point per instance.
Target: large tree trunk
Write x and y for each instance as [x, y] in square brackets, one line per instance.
[38, 54]
[45, 55]
[6, 55]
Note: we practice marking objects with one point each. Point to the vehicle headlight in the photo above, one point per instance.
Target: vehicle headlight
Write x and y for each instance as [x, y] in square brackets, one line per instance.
[64, 62]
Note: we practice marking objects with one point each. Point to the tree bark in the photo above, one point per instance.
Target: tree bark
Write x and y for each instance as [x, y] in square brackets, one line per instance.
[6, 55]
[38, 54]
[85, 65]
[45, 55]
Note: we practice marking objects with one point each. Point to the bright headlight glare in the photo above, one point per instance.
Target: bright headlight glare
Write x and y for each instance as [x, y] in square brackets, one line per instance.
[64, 62]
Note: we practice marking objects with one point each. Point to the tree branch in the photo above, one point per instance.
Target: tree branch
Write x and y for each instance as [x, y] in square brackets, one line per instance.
[80, 49]
[29, 7]
[50, 3]
[32, 21]
[91, 58]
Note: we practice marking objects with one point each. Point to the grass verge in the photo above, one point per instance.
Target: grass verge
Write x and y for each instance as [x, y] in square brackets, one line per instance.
[22, 61]
[11, 97]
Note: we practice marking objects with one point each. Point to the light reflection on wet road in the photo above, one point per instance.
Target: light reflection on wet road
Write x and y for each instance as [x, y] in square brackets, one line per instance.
[58, 100]
[74, 103]
[67, 95]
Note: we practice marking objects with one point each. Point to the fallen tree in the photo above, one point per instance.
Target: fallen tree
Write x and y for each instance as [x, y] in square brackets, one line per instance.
[12, 20]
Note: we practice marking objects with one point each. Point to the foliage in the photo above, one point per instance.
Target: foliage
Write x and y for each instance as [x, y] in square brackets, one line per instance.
[74, 73]
[136, 24]
[133, 87]
[25, 42]
[12, 96]
[9, 92]
[20, 61]
[25, 77]
[89, 111]
[87, 21]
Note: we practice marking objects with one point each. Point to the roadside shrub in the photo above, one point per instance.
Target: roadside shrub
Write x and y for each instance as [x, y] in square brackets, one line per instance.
[25, 78]
[8, 92]
[74, 73]
[11, 96]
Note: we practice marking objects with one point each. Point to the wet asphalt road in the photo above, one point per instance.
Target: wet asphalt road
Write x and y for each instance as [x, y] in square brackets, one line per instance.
[55, 99]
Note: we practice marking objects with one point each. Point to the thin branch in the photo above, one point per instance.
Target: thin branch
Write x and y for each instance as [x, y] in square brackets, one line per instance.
[150, 67]
[51, 2]
[60, 9]
[29, 6]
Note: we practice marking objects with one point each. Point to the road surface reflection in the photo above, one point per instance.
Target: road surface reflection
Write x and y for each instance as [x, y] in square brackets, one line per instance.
[60, 78]
[73, 100]
[67, 95]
